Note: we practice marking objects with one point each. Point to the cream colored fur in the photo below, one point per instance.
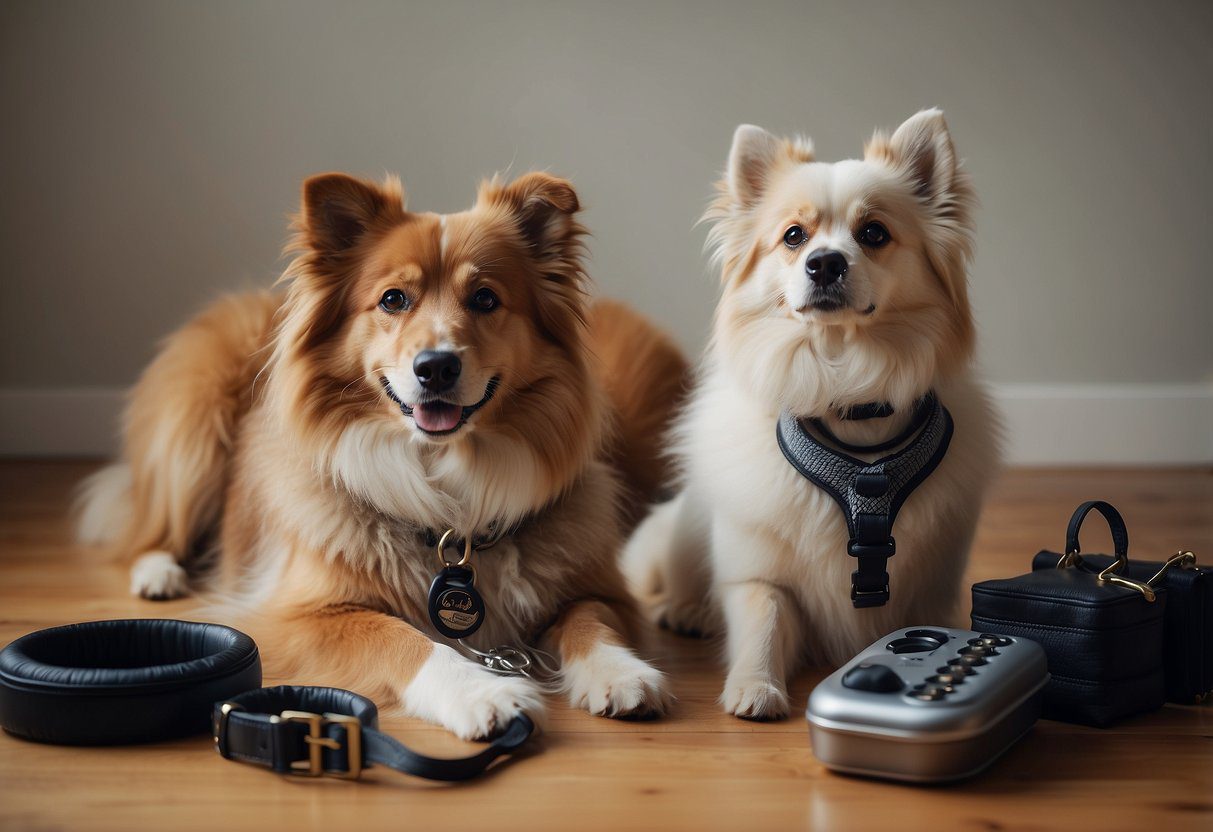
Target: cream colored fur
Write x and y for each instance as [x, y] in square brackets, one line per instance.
[750, 549]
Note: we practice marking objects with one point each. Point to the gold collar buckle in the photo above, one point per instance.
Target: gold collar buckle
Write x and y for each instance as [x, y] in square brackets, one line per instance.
[316, 741]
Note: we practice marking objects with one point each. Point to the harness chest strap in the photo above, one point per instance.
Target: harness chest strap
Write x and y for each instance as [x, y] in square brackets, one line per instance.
[870, 494]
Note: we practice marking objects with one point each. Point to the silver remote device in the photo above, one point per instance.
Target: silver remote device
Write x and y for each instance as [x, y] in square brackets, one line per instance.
[928, 704]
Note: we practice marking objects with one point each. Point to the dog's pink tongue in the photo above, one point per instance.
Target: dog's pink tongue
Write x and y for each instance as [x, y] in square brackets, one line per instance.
[437, 416]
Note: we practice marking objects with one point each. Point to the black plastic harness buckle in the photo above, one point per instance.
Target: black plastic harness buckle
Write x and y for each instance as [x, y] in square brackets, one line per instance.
[872, 573]
[872, 550]
[868, 598]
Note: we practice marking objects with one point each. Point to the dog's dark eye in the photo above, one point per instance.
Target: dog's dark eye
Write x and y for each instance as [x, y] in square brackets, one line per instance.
[873, 235]
[793, 237]
[484, 300]
[393, 300]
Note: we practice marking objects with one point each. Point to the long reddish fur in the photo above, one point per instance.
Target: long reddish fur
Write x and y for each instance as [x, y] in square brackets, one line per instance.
[286, 366]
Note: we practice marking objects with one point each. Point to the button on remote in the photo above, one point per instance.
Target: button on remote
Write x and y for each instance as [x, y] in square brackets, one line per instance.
[927, 694]
[957, 669]
[877, 678]
[914, 644]
[978, 650]
[947, 678]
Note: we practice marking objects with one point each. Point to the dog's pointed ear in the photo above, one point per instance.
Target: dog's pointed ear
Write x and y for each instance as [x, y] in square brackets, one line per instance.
[754, 153]
[922, 150]
[543, 208]
[923, 147]
[338, 210]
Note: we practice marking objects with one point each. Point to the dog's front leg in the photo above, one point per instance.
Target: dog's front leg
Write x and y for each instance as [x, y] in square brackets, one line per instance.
[599, 671]
[764, 641]
[374, 653]
[763, 627]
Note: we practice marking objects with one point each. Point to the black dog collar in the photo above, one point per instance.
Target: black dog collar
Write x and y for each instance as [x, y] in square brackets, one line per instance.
[923, 409]
[314, 731]
[119, 682]
[870, 494]
[863, 412]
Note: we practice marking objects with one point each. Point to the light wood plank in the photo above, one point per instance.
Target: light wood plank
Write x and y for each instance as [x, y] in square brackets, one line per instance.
[697, 769]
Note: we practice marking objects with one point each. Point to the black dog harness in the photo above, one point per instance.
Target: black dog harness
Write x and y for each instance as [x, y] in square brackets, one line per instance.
[870, 493]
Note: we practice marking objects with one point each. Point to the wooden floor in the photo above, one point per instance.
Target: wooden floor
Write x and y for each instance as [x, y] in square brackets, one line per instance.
[697, 769]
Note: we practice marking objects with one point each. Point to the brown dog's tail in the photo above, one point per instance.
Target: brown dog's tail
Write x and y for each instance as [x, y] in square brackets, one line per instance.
[646, 378]
[166, 492]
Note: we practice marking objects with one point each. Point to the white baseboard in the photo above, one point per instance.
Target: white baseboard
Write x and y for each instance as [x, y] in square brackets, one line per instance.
[1047, 424]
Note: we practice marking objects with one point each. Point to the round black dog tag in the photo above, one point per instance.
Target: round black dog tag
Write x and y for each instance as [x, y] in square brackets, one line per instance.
[456, 608]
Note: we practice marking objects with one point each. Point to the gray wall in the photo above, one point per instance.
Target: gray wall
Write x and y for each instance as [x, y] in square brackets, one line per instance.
[151, 152]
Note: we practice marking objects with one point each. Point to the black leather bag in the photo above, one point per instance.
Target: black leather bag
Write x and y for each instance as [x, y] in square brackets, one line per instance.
[1187, 650]
[1103, 632]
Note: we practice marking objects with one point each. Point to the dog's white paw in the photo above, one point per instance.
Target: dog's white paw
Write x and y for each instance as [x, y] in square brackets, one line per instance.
[158, 577]
[613, 681]
[468, 700]
[755, 698]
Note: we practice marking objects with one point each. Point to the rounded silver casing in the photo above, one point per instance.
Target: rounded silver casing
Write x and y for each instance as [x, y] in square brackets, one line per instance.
[939, 726]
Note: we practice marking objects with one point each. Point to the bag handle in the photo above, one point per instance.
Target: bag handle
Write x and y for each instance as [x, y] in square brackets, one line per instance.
[1120, 545]
[1120, 533]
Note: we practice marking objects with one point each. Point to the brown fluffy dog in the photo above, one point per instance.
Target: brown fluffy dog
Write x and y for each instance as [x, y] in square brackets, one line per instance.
[423, 372]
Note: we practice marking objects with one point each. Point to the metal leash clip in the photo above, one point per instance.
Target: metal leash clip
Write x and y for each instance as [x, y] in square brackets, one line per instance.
[504, 660]
[468, 548]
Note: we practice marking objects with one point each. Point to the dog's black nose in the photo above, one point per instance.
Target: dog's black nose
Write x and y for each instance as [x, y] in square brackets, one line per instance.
[825, 266]
[437, 370]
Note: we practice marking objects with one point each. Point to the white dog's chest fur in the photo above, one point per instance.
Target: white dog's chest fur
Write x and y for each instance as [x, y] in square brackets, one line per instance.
[768, 523]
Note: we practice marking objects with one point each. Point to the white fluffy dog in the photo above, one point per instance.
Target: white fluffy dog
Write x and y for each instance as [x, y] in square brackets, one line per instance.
[844, 286]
